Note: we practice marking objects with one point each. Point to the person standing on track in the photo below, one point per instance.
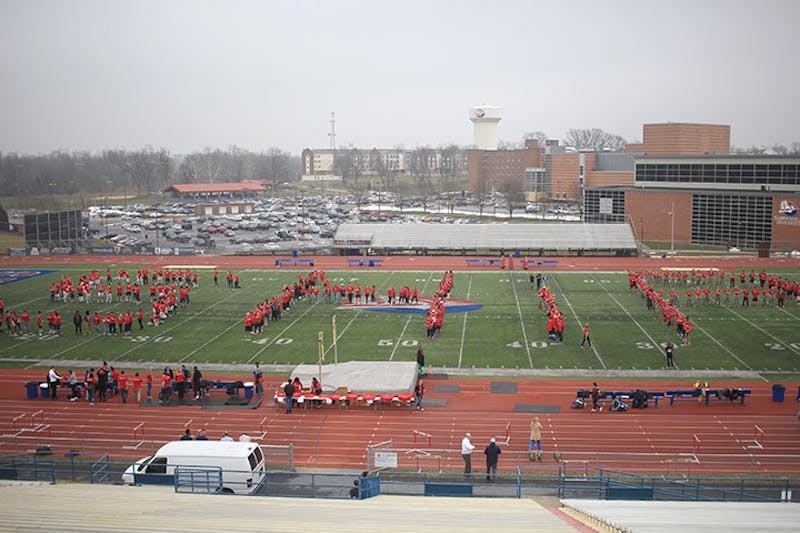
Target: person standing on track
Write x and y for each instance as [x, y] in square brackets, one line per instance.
[419, 392]
[466, 454]
[586, 337]
[535, 447]
[288, 390]
[492, 452]
[596, 398]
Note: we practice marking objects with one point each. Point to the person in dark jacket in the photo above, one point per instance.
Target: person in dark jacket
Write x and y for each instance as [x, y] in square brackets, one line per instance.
[492, 452]
[288, 389]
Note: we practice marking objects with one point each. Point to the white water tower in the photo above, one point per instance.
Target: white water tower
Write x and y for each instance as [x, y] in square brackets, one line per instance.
[485, 119]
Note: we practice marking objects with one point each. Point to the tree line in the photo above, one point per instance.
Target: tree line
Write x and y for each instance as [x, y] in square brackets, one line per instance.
[136, 172]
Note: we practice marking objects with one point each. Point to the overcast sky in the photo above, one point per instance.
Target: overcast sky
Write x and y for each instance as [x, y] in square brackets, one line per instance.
[184, 75]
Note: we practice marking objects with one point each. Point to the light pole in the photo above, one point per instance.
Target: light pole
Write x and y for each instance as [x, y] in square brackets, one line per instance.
[672, 229]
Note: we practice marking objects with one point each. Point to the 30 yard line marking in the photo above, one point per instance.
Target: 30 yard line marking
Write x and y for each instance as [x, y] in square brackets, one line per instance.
[655, 342]
[710, 336]
[464, 325]
[762, 330]
[521, 321]
[596, 353]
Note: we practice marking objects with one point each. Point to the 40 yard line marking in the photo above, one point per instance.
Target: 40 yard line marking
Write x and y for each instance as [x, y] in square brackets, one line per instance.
[521, 321]
[464, 325]
[596, 353]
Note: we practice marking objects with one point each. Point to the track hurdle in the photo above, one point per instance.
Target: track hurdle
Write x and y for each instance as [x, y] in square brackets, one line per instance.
[696, 444]
[505, 438]
[17, 421]
[758, 439]
[422, 435]
[138, 431]
[38, 414]
[262, 427]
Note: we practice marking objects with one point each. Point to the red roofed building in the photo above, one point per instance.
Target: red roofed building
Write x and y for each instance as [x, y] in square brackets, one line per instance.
[237, 188]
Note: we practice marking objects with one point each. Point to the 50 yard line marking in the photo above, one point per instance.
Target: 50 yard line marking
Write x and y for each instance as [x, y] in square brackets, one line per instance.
[596, 353]
[521, 321]
[464, 326]
[408, 321]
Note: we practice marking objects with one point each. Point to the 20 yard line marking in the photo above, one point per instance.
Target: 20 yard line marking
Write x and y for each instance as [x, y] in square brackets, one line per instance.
[762, 330]
[521, 321]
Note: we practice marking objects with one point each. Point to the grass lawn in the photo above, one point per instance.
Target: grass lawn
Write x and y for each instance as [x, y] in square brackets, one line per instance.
[508, 331]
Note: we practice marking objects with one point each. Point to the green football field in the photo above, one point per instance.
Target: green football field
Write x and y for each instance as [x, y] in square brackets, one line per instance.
[508, 331]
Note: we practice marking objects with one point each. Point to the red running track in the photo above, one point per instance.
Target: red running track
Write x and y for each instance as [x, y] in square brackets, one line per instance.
[689, 438]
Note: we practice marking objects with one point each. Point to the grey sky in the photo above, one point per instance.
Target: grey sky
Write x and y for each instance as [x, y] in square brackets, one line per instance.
[88, 75]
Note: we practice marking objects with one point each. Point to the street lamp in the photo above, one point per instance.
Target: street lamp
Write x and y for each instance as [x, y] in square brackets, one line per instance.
[672, 229]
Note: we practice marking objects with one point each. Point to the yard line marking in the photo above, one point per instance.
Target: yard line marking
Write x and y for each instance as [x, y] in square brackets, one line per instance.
[521, 320]
[279, 335]
[762, 330]
[162, 332]
[464, 326]
[788, 313]
[555, 280]
[408, 321]
[356, 315]
[710, 336]
[655, 342]
[209, 341]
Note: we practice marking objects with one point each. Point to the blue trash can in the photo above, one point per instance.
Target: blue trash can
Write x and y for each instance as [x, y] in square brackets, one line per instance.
[44, 390]
[778, 392]
[798, 394]
[294, 253]
[30, 389]
[248, 389]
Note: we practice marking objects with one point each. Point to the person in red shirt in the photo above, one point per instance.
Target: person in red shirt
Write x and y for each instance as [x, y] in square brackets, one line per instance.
[137, 387]
[166, 388]
[122, 384]
[586, 337]
[39, 321]
[149, 381]
[180, 384]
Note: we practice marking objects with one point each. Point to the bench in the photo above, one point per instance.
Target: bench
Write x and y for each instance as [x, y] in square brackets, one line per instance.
[364, 262]
[542, 262]
[715, 394]
[482, 262]
[293, 262]
[625, 395]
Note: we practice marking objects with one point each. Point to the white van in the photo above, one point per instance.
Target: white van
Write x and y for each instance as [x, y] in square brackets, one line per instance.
[242, 464]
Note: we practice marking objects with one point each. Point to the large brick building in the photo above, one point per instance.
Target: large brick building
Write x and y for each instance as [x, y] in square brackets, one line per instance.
[679, 185]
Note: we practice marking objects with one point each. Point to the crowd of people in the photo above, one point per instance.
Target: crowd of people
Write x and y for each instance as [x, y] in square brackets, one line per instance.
[717, 287]
[434, 318]
[168, 290]
[556, 321]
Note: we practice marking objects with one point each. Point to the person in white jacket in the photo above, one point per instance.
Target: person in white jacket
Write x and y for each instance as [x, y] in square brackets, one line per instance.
[53, 379]
[466, 453]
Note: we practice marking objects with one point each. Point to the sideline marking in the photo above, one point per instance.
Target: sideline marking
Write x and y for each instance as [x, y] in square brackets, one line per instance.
[596, 353]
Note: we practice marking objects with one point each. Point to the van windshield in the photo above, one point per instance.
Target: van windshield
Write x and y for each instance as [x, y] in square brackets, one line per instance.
[255, 458]
[143, 464]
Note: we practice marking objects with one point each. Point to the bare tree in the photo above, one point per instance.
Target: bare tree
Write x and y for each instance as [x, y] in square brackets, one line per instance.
[540, 136]
[594, 139]
[514, 194]
[423, 160]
